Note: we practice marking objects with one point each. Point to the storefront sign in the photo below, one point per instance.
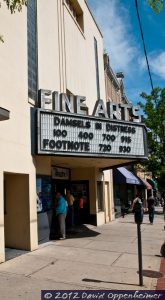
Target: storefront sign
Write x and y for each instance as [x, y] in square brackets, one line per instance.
[75, 135]
[60, 173]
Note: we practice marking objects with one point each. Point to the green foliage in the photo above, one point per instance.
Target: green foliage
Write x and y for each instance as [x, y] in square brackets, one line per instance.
[156, 5]
[161, 179]
[15, 5]
[154, 109]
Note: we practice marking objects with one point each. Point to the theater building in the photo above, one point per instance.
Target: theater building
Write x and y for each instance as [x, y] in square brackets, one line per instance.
[126, 184]
[62, 133]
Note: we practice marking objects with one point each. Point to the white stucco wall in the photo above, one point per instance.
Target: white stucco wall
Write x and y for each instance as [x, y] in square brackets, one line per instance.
[15, 135]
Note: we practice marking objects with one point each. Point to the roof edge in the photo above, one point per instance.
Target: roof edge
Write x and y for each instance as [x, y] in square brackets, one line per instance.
[93, 18]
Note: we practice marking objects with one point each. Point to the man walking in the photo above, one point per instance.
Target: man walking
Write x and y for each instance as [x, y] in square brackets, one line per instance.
[151, 208]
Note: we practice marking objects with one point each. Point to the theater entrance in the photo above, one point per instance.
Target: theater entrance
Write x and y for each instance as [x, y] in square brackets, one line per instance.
[80, 191]
[47, 187]
[60, 186]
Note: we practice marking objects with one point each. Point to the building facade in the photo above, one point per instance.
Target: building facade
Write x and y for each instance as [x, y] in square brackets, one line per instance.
[61, 134]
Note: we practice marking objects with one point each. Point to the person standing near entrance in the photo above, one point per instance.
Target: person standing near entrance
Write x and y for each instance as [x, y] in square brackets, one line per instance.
[81, 208]
[151, 208]
[70, 214]
[61, 211]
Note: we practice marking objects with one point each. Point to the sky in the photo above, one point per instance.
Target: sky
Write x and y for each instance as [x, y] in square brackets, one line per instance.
[118, 22]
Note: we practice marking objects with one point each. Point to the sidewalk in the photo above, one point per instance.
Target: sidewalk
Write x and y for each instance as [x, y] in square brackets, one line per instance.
[102, 257]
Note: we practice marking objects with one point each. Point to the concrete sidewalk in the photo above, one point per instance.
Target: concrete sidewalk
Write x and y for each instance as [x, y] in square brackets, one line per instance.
[95, 258]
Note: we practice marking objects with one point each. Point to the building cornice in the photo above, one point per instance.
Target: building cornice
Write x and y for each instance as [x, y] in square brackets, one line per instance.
[93, 18]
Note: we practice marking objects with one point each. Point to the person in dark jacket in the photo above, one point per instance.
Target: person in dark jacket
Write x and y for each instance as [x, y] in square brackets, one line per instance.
[61, 211]
[151, 208]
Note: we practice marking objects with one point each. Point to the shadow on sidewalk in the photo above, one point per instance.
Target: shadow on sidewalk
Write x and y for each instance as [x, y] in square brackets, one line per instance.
[135, 223]
[81, 232]
[11, 253]
[152, 274]
[99, 281]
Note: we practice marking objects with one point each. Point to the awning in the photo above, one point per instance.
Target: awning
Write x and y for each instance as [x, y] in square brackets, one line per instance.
[147, 185]
[123, 176]
[152, 183]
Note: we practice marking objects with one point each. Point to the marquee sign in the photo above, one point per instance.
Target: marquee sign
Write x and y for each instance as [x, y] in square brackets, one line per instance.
[61, 133]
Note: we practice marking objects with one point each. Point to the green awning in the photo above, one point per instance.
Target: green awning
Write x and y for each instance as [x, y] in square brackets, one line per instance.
[152, 183]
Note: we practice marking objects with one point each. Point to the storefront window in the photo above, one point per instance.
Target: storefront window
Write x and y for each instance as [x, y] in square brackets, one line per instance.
[44, 193]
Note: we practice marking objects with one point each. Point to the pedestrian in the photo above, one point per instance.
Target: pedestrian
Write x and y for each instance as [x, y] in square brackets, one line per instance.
[61, 212]
[70, 212]
[81, 208]
[137, 209]
[54, 226]
[123, 209]
[151, 208]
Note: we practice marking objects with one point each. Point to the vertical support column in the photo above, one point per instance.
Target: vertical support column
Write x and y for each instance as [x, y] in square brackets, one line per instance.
[2, 234]
[112, 205]
[107, 202]
[33, 212]
[104, 204]
[61, 42]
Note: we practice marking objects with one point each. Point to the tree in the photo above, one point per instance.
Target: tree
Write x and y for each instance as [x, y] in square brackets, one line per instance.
[13, 6]
[156, 5]
[16, 5]
[154, 110]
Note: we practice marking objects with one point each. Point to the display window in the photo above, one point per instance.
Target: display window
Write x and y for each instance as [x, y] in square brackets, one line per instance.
[44, 193]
